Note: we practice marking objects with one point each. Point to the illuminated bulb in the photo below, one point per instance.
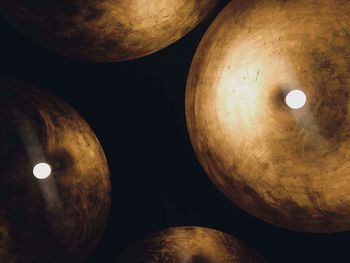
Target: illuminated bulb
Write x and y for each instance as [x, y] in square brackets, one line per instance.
[42, 170]
[295, 99]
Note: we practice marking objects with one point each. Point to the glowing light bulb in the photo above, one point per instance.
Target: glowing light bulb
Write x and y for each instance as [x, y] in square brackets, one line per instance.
[295, 99]
[42, 170]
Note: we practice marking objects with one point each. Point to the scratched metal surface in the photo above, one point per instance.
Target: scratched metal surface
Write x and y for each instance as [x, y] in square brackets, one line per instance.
[190, 245]
[287, 167]
[61, 218]
[106, 30]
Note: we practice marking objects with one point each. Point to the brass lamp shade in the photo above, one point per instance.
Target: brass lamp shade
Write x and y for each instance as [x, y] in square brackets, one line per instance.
[54, 179]
[105, 30]
[287, 166]
[190, 245]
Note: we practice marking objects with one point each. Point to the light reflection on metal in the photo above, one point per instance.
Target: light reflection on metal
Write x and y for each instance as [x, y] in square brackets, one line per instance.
[288, 167]
[106, 30]
[190, 244]
[61, 212]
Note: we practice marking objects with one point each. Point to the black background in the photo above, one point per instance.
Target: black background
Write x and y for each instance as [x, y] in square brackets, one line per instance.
[136, 109]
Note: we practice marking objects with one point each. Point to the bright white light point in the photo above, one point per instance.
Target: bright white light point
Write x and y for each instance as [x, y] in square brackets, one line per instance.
[295, 99]
[42, 170]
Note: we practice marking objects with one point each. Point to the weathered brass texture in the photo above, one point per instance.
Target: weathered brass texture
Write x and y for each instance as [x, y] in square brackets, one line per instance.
[105, 30]
[60, 218]
[190, 244]
[287, 167]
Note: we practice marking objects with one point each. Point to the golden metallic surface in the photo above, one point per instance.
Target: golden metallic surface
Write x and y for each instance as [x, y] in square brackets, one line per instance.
[190, 245]
[287, 167]
[59, 218]
[106, 30]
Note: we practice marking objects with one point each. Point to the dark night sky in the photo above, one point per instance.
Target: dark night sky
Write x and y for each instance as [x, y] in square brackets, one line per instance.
[136, 109]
